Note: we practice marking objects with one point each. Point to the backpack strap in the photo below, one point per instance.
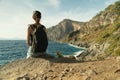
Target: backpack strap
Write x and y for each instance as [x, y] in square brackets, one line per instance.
[32, 26]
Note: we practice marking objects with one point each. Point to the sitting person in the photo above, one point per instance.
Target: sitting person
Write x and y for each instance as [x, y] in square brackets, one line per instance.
[37, 38]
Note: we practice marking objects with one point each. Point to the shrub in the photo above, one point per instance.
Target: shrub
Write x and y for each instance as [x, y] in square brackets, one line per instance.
[117, 8]
[106, 35]
[117, 26]
[116, 37]
[117, 51]
[111, 48]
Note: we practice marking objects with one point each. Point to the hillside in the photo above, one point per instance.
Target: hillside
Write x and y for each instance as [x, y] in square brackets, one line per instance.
[100, 34]
[61, 69]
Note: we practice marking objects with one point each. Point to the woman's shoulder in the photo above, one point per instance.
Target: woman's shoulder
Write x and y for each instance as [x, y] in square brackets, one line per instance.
[29, 25]
[32, 26]
[43, 26]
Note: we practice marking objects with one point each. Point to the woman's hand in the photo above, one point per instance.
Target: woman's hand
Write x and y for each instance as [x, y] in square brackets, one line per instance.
[29, 30]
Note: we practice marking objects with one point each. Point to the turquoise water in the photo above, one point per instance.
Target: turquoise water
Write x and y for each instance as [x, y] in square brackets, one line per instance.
[11, 50]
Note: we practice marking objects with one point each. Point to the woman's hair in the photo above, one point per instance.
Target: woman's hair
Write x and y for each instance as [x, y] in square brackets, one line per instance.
[36, 14]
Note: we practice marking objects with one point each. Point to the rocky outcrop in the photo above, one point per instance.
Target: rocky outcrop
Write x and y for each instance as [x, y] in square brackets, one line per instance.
[68, 27]
[102, 30]
[60, 69]
[63, 29]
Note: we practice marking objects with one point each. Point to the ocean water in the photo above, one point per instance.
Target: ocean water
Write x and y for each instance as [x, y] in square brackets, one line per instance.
[11, 50]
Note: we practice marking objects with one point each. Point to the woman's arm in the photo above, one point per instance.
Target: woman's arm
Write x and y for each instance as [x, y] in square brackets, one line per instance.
[45, 30]
[28, 36]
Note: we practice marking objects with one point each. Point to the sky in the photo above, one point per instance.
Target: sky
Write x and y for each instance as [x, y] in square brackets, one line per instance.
[15, 15]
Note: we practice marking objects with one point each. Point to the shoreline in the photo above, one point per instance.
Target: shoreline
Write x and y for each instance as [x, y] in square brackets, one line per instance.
[76, 46]
[78, 52]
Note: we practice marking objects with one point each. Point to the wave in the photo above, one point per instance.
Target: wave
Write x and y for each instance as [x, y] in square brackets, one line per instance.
[76, 46]
[78, 52]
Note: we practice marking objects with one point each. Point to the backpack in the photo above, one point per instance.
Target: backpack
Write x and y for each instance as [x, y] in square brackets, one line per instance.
[39, 39]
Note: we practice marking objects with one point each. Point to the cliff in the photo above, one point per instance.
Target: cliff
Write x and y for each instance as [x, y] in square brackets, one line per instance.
[63, 29]
[100, 34]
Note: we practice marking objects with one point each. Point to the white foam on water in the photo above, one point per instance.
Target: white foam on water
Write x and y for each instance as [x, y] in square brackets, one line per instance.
[78, 52]
[76, 46]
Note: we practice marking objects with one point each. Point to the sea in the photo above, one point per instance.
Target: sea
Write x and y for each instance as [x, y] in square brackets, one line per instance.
[11, 50]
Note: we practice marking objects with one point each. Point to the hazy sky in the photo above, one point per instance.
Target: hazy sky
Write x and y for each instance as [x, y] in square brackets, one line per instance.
[15, 15]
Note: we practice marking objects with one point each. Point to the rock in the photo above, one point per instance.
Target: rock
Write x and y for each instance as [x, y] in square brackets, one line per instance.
[71, 69]
[50, 70]
[62, 75]
[59, 54]
[83, 44]
[118, 78]
[66, 70]
[88, 72]
[118, 58]
[38, 78]
[117, 71]
[70, 57]
[91, 72]
[24, 77]
[35, 77]
[86, 78]
[43, 77]
[54, 76]
[82, 55]
[60, 78]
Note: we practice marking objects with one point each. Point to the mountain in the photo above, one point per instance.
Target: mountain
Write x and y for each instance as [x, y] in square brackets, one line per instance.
[63, 29]
[101, 34]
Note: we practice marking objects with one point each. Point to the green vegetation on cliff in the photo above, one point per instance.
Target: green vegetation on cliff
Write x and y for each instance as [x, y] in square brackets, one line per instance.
[104, 28]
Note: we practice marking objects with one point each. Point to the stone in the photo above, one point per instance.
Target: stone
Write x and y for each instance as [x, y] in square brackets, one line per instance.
[88, 72]
[118, 78]
[43, 77]
[70, 57]
[118, 58]
[66, 70]
[36, 75]
[117, 71]
[91, 72]
[86, 78]
[50, 70]
[23, 78]
[59, 54]
[54, 76]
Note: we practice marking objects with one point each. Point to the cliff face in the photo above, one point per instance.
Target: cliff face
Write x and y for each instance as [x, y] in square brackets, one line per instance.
[109, 16]
[63, 29]
[103, 30]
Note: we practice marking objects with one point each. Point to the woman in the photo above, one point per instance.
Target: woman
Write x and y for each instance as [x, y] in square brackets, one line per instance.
[36, 37]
